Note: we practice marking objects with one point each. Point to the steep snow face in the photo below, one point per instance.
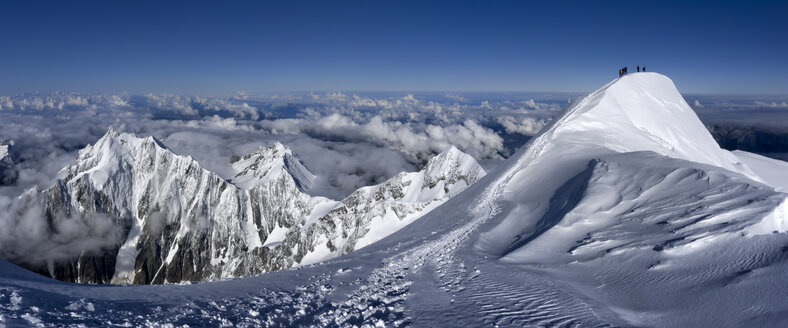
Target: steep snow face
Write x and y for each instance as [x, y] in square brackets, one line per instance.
[3, 151]
[110, 154]
[269, 163]
[182, 222]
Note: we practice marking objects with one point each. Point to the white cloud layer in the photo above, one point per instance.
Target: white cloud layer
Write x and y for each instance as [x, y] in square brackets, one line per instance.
[416, 140]
[385, 134]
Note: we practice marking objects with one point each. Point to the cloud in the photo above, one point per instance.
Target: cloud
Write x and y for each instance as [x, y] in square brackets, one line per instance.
[28, 236]
[455, 97]
[343, 167]
[697, 104]
[527, 126]
[415, 139]
[59, 102]
[772, 104]
[744, 111]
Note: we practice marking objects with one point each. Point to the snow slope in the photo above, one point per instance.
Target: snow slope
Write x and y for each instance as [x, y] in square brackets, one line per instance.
[622, 213]
[774, 172]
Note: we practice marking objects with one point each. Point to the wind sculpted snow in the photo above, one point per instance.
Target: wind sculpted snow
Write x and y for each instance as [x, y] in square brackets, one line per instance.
[622, 213]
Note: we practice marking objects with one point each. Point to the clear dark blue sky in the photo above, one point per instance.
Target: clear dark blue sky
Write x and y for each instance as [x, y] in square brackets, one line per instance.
[266, 46]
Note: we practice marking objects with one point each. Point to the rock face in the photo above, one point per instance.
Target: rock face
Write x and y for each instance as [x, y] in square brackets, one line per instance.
[180, 222]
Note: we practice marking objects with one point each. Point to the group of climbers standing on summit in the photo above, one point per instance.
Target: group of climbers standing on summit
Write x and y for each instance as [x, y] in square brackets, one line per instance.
[623, 71]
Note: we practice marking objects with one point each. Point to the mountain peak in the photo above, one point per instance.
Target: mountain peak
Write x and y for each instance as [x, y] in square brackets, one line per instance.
[637, 112]
[111, 132]
[452, 165]
[112, 151]
[449, 159]
[126, 138]
[269, 163]
[278, 146]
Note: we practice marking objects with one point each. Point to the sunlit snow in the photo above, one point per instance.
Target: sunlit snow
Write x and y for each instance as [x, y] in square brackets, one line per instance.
[623, 212]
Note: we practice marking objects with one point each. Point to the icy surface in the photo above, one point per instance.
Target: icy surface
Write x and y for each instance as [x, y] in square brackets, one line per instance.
[622, 213]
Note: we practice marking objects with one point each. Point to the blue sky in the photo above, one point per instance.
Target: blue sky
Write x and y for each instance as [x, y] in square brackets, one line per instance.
[259, 47]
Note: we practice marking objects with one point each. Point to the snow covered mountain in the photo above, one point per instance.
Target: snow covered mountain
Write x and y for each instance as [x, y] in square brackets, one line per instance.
[268, 164]
[7, 172]
[623, 212]
[181, 222]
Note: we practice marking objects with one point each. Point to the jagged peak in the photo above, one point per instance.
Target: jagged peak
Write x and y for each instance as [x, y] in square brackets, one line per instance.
[268, 163]
[278, 146]
[112, 132]
[452, 161]
[112, 149]
[127, 139]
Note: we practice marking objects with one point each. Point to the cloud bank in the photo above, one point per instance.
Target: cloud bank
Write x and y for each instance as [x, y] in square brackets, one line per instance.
[27, 237]
[408, 129]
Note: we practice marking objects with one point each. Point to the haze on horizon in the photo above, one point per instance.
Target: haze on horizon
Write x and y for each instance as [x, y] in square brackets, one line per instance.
[209, 48]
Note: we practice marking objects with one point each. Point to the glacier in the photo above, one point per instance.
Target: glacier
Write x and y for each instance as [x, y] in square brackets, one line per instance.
[621, 212]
